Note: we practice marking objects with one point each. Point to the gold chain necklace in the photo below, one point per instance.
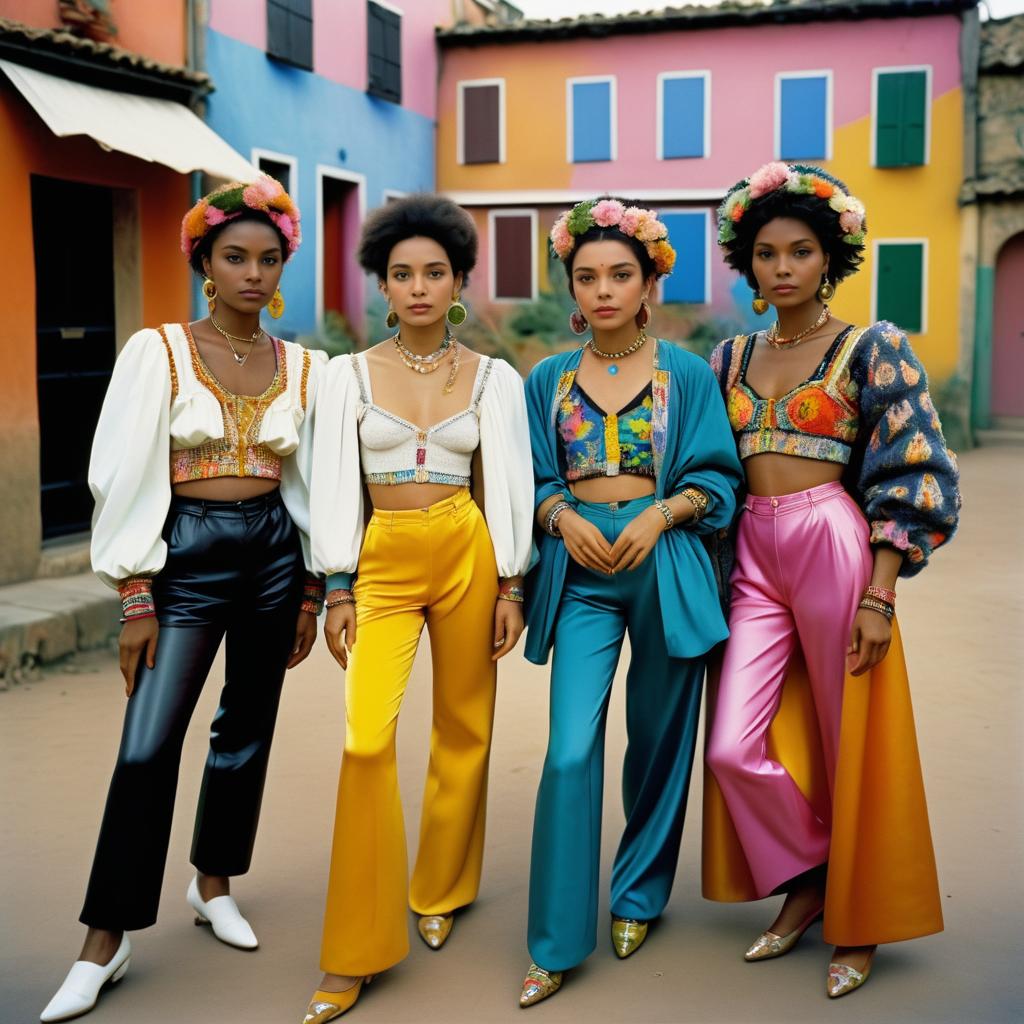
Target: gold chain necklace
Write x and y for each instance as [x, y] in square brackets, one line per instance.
[422, 364]
[641, 340]
[251, 341]
[409, 359]
[773, 339]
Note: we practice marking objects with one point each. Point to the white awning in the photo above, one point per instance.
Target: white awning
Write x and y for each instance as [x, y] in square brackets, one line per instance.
[159, 131]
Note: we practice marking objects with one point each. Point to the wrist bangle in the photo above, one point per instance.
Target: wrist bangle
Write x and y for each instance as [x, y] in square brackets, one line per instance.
[551, 519]
[511, 592]
[136, 598]
[871, 604]
[313, 595]
[670, 520]
[336, 597]
[698, 499]
[881, 594]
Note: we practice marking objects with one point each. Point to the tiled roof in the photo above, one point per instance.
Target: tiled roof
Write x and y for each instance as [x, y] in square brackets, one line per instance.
[730, 12]
[1002, 44]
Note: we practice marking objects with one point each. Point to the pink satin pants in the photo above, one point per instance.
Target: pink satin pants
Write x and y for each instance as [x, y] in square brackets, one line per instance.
[802, 563]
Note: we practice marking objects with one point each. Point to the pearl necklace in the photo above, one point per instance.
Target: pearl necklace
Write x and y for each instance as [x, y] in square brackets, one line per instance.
[773, 339]
[422, 364]
[641, 340]
[251, 341]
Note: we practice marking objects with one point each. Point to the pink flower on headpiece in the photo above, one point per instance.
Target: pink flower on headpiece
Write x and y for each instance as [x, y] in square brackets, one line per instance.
[768, 178]
[650, 229]
[630, 220]
[607, 213]
[213, 216]
[288, 228]
[259, 194]
[561, 239]
[850, 221]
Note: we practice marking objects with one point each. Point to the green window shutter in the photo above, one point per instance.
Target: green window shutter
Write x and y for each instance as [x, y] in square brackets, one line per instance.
[900, 118]
[901, 285]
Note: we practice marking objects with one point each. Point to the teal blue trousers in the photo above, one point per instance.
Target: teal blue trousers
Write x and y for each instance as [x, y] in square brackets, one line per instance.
[662, 706]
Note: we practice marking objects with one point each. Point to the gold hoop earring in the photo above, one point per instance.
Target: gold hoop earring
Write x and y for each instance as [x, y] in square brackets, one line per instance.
[643, 316]
[210, 292]
[392, 317]
[578, 322]
[758, 304]
[457, 313]
[275, 307]
[826, 291]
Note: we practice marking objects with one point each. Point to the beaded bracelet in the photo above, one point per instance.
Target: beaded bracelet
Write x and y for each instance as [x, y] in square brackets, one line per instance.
[136, 598]
[670, 520]
[508, 591]
[881, 594]
[698, 499]
[313, 595]
[551, 520]
[336, 597]
[871, 604]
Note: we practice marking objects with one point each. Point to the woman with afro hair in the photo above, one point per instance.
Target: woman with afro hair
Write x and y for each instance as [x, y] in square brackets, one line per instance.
[815, 788]
[435, 433]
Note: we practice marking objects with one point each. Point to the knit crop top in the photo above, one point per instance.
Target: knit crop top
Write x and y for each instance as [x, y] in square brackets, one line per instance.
[394, 451]
[818, 419]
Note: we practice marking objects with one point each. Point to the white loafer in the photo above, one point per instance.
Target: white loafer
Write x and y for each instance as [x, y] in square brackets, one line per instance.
[84, 983]
[223, 915]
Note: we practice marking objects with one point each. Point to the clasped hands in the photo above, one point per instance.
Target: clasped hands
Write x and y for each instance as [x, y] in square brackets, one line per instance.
[588, 547]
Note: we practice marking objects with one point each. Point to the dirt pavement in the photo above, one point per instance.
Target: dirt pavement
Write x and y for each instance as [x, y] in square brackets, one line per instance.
[962, 620]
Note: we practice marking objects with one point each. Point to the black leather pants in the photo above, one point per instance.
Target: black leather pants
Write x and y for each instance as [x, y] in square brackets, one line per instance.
[232, 568]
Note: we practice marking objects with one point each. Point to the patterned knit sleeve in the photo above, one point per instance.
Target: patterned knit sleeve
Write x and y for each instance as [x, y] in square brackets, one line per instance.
[907, 479]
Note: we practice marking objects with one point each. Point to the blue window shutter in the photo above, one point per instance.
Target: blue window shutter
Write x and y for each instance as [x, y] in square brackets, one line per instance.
[591, 121]
[682, 126]
[803, 119]
[688, 233]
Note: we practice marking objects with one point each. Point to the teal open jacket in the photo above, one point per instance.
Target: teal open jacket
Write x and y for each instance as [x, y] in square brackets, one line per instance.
[693, 446]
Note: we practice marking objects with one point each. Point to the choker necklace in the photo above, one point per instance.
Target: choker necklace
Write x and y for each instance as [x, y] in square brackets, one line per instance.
[641, 340]
[423, 364]
[251, 341]
[773, 339]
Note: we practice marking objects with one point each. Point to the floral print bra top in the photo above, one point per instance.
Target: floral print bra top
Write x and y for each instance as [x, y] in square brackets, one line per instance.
[597, 443]
[818, 419]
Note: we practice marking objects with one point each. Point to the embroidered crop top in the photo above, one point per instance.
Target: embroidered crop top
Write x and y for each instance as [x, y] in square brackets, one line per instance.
[818, 419]
[239, 451]
[395, 451]
[597, 443]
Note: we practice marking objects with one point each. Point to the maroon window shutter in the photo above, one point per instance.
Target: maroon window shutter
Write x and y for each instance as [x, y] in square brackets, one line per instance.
[481, 124]
[513, 257]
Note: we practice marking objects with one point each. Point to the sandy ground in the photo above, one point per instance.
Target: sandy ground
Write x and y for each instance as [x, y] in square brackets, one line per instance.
[962, 620]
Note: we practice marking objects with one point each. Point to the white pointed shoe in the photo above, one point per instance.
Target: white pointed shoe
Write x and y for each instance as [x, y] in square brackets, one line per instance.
[84, 983]
[223, 915]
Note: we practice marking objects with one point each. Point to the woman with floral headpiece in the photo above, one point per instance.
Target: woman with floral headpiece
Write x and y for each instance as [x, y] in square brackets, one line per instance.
[200, 472]
[815, 787]
[633, 463]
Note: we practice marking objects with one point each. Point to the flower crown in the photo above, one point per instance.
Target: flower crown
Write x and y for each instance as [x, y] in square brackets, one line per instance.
[230, 201]
[800, 180]
[643, 225]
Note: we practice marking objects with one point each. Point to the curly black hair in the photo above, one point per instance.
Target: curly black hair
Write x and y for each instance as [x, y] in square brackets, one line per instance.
[843, 257]
[423, 215]
[205, 245]
[599, 234]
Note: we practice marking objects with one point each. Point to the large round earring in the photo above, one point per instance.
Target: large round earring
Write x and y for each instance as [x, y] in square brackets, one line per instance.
[210, 291]
[827, 290]
[392, 317]
[457, 312]
[275, 307]
[643, 316]
[578, 322]
[758, 304]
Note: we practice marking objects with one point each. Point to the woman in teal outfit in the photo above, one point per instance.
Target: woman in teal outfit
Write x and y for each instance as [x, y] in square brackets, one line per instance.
[622, 500]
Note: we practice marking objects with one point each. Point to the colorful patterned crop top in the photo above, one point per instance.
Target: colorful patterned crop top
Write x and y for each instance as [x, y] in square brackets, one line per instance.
[597, 443]
[818, 419]
[238, 452]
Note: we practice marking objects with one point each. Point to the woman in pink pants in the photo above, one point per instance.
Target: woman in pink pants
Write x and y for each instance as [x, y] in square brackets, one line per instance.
[815, 787]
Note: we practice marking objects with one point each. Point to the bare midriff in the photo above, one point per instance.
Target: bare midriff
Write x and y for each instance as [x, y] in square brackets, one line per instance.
[623, 487]
[770, 475]
[401, 497]
[227, 488]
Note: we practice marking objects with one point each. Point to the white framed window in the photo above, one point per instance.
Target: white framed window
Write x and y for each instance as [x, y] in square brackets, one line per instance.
[901, 116]
[480, 121]
[683, 114]
[690, 280]
[512, 269]
[899, 283]
[281, 166]
[591, 117]
[803, 115]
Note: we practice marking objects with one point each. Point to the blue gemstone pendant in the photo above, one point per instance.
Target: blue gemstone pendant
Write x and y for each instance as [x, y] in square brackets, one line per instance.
[613, 369]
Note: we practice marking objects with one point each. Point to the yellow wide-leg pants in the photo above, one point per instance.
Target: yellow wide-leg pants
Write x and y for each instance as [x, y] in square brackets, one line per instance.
[431, 566]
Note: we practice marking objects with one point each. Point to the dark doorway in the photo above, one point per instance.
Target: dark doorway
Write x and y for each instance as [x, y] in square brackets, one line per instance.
[342, 278]
[73, 233]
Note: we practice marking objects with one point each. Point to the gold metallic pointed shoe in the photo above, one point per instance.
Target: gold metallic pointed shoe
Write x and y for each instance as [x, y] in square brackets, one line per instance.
[539, 984]
[434, 929]
[628, 935]
[325, 1006]
[842, 978]
[768, 945]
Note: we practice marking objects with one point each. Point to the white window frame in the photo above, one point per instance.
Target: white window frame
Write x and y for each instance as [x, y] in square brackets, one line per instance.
[875, 72]
[875, 247]
[613, 114]
[327, 171]
[666, 76]
[707, 261]
[390, 7]
[492, 262]
[460, 140]
[279, 158]
[780, 77]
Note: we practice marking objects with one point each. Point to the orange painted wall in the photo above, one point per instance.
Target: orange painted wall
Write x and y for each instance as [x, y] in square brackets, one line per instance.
[155, 28]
